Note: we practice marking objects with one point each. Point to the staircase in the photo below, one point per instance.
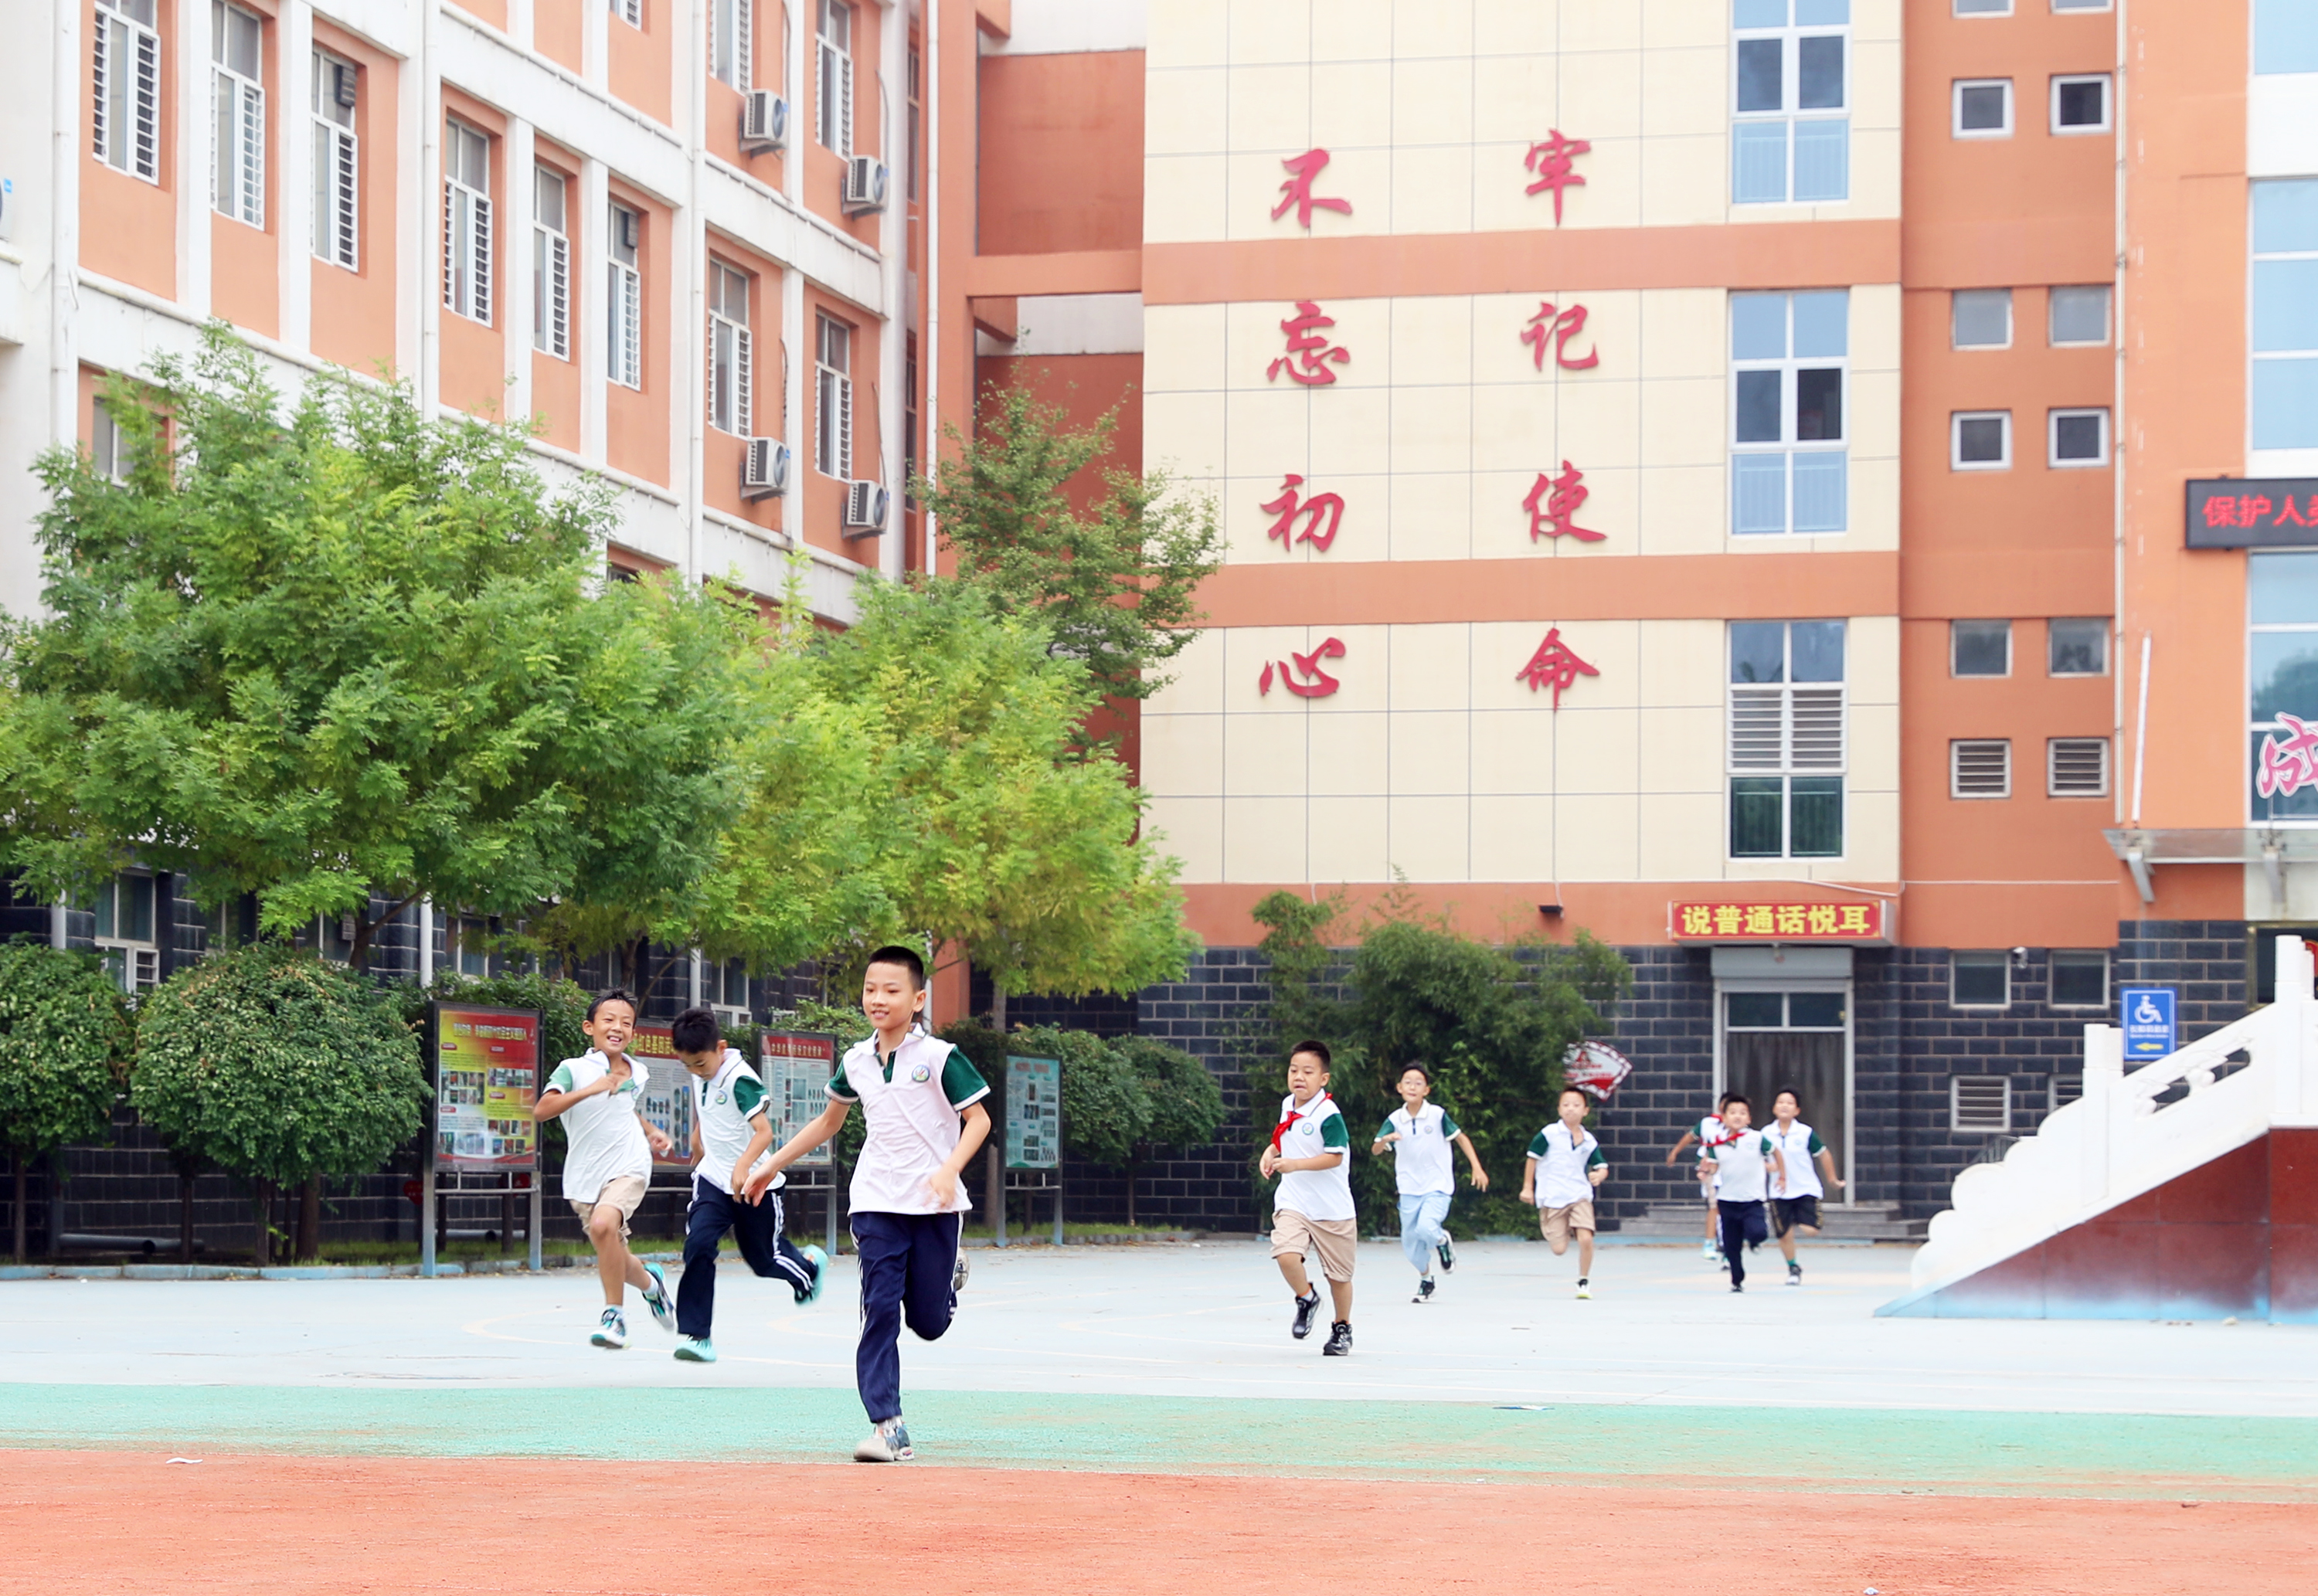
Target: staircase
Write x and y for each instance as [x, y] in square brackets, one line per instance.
[1860, 1222]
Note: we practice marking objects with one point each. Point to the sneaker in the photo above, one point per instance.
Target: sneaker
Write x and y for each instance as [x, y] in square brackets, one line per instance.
[1710, 1252]
[693, 1349]
[1340, 1340]
[1794, 1274]
[611, 1331]
[958, 1273]
[1738, 1288]
[888, 1443]
[1447, 1257]
[659, 1299]
[1305, 1307]
[1584, 1291]
[819, 1262]
[1424, 1290]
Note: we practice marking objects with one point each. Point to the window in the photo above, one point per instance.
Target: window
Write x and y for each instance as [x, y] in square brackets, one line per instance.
[1983, 108]
[2285, 399]
[2076, 767]
[2284, 36]
[1980, 647]
[2081, 4]
[730, 376]
[1787, 745]
[466, 222]
[832, 385]
[1979, 767]
[467, 941]
[2077, 438]
[1979, 980]
[833, 97]
[237, 103]
[123, 910]
[1980, 1103]
[338, 162]
[630, 12]
[1981, 317]
[108, 450]
[2079, 979]
[2076, 648]
[1983, 7]
[1787, 464]
[127, 130]
[732, 57]
[728, 983]
[550, 263]
[2282, 671]
[1979, 440]
[2080, 105]
[1791, 138]
[2080, 315]
[623, 298]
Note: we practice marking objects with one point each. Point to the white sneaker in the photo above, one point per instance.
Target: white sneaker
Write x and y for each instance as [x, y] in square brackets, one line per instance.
[888, 1443]
[611, 1331]
[959, 1271]
[1710, 1252]
[1584, 1292]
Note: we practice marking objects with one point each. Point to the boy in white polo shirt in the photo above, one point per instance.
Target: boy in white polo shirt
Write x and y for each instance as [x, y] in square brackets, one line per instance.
[607, 1159]
[1795, 1195]
[1744, 1160]
[1706, 1130]
[1311, 1152]
[921, 1099]
[728, 1104]
[1419, 1135]
[1565, 1169]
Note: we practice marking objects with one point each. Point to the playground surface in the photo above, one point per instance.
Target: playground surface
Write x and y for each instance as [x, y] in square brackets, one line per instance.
[1131, 1418]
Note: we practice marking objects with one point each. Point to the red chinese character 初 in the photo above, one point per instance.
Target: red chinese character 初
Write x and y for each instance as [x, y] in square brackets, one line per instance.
[1296, 191]
[1304, 678]
[1321, 508]
[1554, 664]
[2287, 766]
[1560, 327]
[1552, 161]
[1308, 350]
[1553, 503]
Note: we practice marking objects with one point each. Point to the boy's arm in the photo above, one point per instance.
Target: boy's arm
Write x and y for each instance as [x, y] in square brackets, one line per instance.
[1687, 1138]
[556, 1099]
[758, 1139]
[830, 1121]
[1319, 1161]
[974, 1130]
[1529, 1180]
[1472, 1157]
[1598, 1169]
[1827, 1164]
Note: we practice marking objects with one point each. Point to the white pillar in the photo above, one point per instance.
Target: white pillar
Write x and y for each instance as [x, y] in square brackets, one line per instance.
[294, 138]
[894, 242]
[515, 218]
[587, 256]
[196, 157]
[2104, 1108]
[2293, 1101]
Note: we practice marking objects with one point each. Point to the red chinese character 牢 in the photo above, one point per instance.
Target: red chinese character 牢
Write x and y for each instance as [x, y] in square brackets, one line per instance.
[1560, 327]
[1296, 191]
[1555, 665]
[1315, 682]
[2287, 766]
[1307, 349]
[1552, 504]
[1551, 161]
[1321, 506]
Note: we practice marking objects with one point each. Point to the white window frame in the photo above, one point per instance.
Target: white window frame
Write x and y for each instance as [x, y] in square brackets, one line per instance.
[2053, 419]
[139, 959]
[2053, 788]
[1980, 958]
[1791, 118]
[2000, 1086]
[104, 444]
[2052, 299]
[731, 54]
[630, 12]
[1957, 463]
[1956, 130]
[466, 224]
[623, 296]
[125, 85]
[2000, 8]
[1782, 730]
[1790, 448]
[338, 162]
[2085, 955]
[550, 265]
[2108, 104]
[833, 433]
[2099, 622]
[731, 372]
[1963, 750]
[832, 108]
[1955, 299]
[2305, 632]
[236, 119]
[1955, 638]
[2066, 7]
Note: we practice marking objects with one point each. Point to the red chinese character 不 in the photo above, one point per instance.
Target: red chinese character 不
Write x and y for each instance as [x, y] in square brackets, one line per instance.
[1552, 506]
[1561, 325]
[1329, 507]
[2252, 508]
[2287, 766]
[1554, 664]
[1307, 349]
[2222, 510]
[1297, 190]
[1551, 161]
[1315, 683]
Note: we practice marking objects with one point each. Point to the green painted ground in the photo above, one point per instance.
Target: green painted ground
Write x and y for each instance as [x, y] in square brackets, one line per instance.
[1827, 1448]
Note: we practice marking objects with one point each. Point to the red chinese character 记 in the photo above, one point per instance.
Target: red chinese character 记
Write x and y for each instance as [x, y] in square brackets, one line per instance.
[1296, 191]
[2252, 508]
[2222, 510]
[1552, 504]
[1321, 508]
[1552, 161]
[1554, 664]
[1561, 325]
[1315, 683]
[2287, 766]
[1308, 349]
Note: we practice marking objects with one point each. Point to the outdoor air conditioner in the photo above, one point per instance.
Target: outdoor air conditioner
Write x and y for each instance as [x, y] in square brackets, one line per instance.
[765, 471]
[733, 1017]
[865, 508]
[764, 122]
[865, 184]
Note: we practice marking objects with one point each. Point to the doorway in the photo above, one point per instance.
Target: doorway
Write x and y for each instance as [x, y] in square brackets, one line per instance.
[1797, 1037]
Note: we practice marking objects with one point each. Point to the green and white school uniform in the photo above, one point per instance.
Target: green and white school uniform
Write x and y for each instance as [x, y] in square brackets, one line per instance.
[604, 1139]
[1317, 1128]
[1562, 1165]
[724, 1107]
[1423, 1161]
[1799, 1145]
[1742, 1159]
[910, 1103]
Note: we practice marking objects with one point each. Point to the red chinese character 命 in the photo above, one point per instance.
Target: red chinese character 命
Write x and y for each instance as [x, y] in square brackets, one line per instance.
[1561, 325]
[1552, 506]
[1307, 349]
[1551, 161]
[1555, 665]
[1320, 506]
[1297, 190]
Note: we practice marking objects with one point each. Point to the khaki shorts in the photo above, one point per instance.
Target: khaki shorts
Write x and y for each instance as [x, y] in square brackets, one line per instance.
[1334, 1240]
[627, 1194]
[1557, 1222]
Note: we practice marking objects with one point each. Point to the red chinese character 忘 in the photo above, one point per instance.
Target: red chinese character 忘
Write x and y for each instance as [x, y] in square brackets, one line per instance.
[1329, 507]
[1561, 325]
[1315, 683]
[1297, 190]
[1552, 506]
[1554, 664]
[1307, 350]
[1551, 161]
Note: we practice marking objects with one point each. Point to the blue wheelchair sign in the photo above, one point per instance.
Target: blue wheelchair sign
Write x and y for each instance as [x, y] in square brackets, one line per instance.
[2148, 1012]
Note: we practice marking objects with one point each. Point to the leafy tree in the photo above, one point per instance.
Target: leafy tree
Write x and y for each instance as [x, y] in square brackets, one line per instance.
[1187, 1106]
[66, 1034]
[276, 1067]
[1105, 1110]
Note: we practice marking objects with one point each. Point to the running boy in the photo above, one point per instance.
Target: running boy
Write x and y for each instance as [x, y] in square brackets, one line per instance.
[1312, 1212]
[1744, 1160]
[607, 1159]
[1420, 1136]
[1795, 1195]
[921, 1101]
[1705, 1131]
[728, 1104]
[1565, 1168]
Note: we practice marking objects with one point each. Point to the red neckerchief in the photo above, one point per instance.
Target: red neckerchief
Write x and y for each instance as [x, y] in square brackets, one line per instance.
[1289, 1124]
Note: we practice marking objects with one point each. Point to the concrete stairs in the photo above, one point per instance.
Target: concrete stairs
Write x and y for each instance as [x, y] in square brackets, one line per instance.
[1860, 1222]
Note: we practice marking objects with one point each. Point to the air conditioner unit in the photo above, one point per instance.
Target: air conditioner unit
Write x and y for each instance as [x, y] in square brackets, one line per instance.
[865, 184]
[865, 508]
[764, 122]
[733, 1017]
[765, 469]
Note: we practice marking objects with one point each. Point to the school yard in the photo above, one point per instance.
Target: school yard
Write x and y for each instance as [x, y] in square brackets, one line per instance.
[1135, 1419]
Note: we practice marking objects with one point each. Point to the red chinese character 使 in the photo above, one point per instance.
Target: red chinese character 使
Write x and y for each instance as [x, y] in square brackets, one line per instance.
[1301, 674]
[1296, 191]
[1555, 665]
[1559, 325]
[1552, 161]
[1321, 508]
[1308, 350]
[1553, 503]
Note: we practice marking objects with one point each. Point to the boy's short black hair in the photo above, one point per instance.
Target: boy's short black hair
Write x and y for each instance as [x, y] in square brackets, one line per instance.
[1742, 1102]
[618, 994]
[1424, 1070]
[1786, 1091]
[695, 1030]
[1318, 1050]
[893, 953]
[1725, 1100]
[1566, 1090]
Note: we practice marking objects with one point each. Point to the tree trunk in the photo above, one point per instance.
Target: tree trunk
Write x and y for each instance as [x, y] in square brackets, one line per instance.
[997, 1008]
[186, 1214]
[310, 1220]
[264, 1249]
[1130, 1192]
[20, 1207]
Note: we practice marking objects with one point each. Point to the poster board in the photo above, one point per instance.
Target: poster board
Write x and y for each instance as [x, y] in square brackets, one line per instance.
[486, 1066]
[795, 1067]
[667, 1099]
[1034, 1113]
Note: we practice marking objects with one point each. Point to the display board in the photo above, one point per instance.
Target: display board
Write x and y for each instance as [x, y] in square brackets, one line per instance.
[668, 1093]
[797, 1067]
[1034, 1113]
[486, 1068]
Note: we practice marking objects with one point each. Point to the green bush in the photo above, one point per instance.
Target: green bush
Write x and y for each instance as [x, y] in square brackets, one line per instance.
[850, 1026]
[65, 1035]
[1187, 1106]
[1105, 1109]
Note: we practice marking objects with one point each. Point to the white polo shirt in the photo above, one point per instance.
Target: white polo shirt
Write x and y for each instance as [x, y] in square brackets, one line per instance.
[1742, 1159]
[1799, 1145]
[603, 1138]
[1423, 1161]
[1316, 1128]
[1562, 1165]
[910, 1103]
[724, 1107]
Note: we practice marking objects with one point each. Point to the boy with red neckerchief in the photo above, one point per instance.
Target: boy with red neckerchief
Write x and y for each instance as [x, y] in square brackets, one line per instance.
[1311, 1153]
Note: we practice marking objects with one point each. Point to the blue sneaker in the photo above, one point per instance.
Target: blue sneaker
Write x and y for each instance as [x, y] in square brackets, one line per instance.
[659, 1299]
[694, 1350]
[819, 1262]
[611, 1331]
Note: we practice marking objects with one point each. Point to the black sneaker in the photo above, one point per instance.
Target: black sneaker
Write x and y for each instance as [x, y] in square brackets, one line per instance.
[1794, 1274]
[1424, 1290]
[1738, 1288]
[1447, 1257]
[1340, 1340]
[1305, 1307]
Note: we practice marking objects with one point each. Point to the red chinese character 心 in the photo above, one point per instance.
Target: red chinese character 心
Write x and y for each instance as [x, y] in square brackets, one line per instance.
[1321, 508]
[1561, 325]
[1552, 504]
[1554, 664]
[1308, 350]
[1305, 679]
[1552, 161]
[1297, 190]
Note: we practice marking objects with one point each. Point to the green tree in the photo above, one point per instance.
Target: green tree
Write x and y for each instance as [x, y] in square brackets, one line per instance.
[1187, 1106]
[1105, 1109]
[277, 1067]
[66, 1034]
